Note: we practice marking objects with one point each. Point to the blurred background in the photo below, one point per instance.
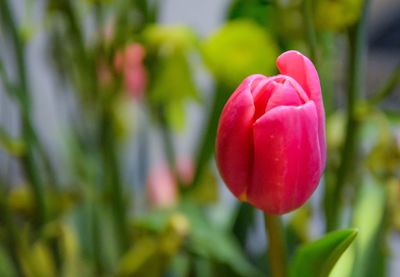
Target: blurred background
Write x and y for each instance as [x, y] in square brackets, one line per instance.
[108, 114]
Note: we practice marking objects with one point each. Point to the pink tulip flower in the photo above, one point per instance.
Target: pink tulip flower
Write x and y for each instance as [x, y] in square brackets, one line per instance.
[270, 147]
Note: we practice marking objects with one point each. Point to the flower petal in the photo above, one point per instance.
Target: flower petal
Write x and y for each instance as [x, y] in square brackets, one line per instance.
[287, 160]
[300, 68]
[234, 145]
[284, 95]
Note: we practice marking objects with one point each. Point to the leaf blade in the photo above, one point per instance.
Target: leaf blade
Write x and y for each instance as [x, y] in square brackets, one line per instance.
[318, 258]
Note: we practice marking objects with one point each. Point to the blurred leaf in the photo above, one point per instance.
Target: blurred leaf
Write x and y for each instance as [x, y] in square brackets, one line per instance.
[204, 239]
[155, 250]
[143, 250]
[207, 189]
[20, 201]
[393, 116]
[12, 146]
[368, 218]
[175, 115]
[6, 266]
[209, 241]
[260, 11]
[180, 265]
[37, 260]
[318, 258]
[169, 39]
[172, 82]
[381, 144]
[218, 246]
[384, 160]
[335, 127]
[238, 49]
[336, 15]
[242, 222]
[393, 195]
[361, 257]
[73, 264]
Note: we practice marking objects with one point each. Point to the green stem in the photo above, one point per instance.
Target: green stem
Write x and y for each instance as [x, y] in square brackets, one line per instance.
[206, 146]
[96, 239]
[357, 48]
[168, 144]
[12, 240]
[277, 252]
[113, 179]
[28, 160]
[310, 30]
[9, 87]
[388, 88]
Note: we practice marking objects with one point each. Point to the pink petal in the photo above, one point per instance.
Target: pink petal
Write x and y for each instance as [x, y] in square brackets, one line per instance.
[287, 159]
[234, 146]
[300, 68]
[284, 95]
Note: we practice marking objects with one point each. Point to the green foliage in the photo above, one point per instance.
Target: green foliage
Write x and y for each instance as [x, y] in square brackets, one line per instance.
[171, 73]
[336, 15]
[260, 11]
[14, 147]
[238, 49]
[73, 202]
[203, 239]
[369, 219]
[6, 266]
[319, 257]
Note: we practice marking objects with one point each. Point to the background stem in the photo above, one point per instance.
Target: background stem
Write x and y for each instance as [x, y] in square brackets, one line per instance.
[206, 145]
[310, 30]
[357, 48]
[388, 88]
[23, 96]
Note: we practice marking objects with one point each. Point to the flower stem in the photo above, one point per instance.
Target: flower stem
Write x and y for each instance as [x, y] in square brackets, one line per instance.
[277, 256]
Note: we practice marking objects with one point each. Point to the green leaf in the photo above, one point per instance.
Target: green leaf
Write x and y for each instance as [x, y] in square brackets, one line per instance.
[319, 257]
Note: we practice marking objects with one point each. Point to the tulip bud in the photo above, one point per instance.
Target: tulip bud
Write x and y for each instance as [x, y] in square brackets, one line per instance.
[270, 147]
[161, 187]
[130, 63]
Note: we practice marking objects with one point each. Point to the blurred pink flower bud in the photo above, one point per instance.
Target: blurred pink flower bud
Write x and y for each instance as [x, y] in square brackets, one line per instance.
[185, 170]
[271, 147]
[129, 62]
[104, 74]
[161, 187]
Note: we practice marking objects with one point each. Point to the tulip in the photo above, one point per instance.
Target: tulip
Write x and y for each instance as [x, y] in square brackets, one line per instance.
[270, 147]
